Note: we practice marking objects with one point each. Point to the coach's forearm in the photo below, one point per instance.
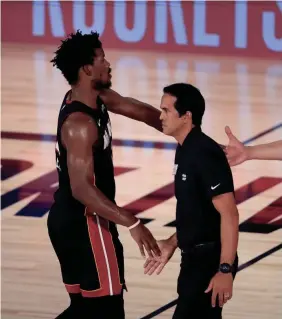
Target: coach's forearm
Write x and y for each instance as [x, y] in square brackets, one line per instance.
[173, 240]
[229, 236]
[229, 226]
[269, 151]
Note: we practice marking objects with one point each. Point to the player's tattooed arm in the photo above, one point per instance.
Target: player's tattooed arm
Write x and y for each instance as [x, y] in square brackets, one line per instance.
[79, 134]
[132, 108]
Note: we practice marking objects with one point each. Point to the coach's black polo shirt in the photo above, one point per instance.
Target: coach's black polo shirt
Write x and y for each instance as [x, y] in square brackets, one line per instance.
[201, 172]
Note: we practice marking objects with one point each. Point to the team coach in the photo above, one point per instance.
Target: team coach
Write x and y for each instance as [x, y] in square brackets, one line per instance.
[207, 219]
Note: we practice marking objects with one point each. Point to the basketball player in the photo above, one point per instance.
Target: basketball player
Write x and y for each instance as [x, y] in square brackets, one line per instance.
[206, 213]
[238, 153]
[82, 220]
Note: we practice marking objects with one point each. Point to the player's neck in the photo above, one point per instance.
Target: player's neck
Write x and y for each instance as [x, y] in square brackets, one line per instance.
[85, 95]
[182, 134]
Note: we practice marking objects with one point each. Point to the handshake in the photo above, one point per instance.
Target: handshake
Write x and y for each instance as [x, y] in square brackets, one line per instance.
[159, 252]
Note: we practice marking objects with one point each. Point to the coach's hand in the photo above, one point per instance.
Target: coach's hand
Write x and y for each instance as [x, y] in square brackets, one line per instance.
[221, 285]
[152, 264]
[144, 238]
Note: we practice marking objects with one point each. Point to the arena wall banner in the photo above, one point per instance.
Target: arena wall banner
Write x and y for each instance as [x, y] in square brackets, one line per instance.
[242, 28]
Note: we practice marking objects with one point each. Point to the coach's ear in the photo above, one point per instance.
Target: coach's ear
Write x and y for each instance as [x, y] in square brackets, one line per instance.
[187, 116]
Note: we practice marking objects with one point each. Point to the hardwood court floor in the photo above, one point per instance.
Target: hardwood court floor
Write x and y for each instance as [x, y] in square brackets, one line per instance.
[245, 94]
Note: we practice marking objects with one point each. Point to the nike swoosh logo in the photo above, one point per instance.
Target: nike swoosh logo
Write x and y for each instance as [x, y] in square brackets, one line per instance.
[214, 187]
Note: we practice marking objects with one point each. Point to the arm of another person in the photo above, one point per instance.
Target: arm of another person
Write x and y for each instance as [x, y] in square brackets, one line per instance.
[217, 179]
[79, 134]
[269, 151]
[132, 108]
[238, 153]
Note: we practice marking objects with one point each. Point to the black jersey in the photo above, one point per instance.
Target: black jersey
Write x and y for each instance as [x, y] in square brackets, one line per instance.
[201, 172]
[103, 175]
[87, 245]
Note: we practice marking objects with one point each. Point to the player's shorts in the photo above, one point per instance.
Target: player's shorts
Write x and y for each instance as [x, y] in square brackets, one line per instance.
[111, 307]
[89, 252]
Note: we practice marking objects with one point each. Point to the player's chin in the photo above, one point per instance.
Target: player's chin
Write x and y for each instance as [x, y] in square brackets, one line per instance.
[107, 84]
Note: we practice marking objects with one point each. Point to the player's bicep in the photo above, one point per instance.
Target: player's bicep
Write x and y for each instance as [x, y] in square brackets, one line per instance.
[128, 106]
[79, 134]
[80, 165]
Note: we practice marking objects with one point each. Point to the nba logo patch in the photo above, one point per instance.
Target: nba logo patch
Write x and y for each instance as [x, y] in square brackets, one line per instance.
[175, 169]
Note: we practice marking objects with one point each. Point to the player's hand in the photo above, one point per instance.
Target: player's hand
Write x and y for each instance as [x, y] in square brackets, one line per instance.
[235, 151]
[157, 264]
[145, 239]
[221, 286]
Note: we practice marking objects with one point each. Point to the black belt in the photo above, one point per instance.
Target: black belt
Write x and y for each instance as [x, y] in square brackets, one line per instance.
[195, 247]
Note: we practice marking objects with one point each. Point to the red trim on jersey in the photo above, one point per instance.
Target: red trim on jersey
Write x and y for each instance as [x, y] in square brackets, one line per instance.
[73, 289]
[100, 260]
[104, 256]
[112, 258]
[106, 262]
[110, 252]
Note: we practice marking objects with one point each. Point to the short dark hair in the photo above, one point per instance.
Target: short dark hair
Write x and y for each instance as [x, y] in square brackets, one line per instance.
[188, 98]
[76, 51]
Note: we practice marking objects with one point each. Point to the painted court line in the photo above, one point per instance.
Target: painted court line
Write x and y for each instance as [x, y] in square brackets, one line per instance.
[120, 142]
